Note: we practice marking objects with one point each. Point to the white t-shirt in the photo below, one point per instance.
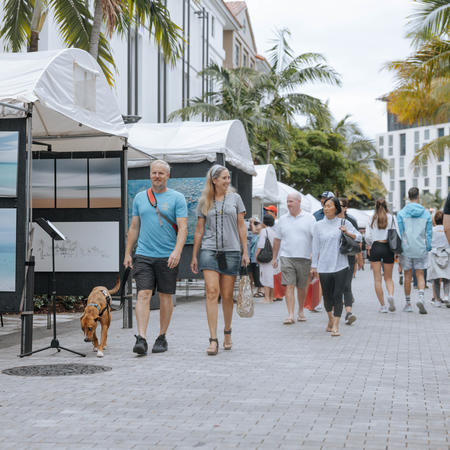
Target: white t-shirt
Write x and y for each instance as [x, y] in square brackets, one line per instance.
[296, 235]
[439, 239]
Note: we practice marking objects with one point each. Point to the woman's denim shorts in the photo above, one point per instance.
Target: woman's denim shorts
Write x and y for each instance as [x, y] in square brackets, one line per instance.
[208, 261]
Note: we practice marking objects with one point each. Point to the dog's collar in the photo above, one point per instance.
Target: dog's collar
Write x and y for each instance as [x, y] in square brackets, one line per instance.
[94, 304]
[105, 293]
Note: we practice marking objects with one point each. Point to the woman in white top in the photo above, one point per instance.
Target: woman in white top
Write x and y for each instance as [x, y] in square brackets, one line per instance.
[266, 269]
[439, 260]
[329, 262]
[379, 252]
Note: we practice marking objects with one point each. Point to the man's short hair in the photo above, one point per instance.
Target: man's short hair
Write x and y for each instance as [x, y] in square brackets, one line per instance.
[413, 193]
[160, 162]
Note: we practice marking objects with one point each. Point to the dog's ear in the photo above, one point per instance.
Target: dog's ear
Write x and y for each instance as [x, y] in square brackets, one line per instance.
[97, 319]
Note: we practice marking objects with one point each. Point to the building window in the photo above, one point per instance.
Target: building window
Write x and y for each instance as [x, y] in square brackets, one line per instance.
[415, 182]
[390, 197]
[416, 140]
[425, 171]
[244, 59]
[438, 182]
[392, 168]
[392, 185]
[426, 182]
[381, 152]
[391, 145]
[416, 172]
[237, 56]
[213, 26]
[426, 134]
[402, 167]
[441, 132]
[403, 144]
[381, 141]
[439, 169]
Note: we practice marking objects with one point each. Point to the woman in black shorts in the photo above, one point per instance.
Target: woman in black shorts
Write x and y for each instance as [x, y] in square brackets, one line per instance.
[379, 252]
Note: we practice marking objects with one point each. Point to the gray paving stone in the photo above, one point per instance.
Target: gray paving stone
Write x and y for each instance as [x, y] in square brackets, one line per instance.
[382, 384]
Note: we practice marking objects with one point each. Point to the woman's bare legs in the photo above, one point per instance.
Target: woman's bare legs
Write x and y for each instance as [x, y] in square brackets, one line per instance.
[212, 287]
[376, 269]
[226, 292]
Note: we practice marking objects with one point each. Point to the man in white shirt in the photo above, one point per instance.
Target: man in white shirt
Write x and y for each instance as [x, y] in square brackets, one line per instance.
[293, 242]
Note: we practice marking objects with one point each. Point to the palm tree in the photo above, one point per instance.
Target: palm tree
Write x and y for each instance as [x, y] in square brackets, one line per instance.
[23, 20]
[238, 95]
[422, 94]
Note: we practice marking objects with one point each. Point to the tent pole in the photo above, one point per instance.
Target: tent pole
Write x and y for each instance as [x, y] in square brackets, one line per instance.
[26, 304]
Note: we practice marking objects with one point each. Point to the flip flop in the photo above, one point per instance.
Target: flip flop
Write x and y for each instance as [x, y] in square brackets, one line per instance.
[259, 295]
[301, 319]
[335, 333]
[289, 321]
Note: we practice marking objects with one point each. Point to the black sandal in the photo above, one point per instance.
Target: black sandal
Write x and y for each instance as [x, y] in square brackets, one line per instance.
[213, 352]
[227, 346]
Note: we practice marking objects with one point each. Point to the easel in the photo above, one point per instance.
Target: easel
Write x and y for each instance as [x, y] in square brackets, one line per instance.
[55, 235]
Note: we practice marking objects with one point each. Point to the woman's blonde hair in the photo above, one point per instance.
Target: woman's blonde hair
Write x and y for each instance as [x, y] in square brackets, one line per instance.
[207, 198]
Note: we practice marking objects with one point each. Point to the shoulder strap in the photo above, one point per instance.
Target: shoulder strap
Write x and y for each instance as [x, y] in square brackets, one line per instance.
[154, 203]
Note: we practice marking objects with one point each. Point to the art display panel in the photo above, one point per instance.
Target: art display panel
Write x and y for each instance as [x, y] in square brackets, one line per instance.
[9, 150]
[191, 188]
[89, 247]
[43, 183]
[104, 183]
[8, 222]
[71, 183]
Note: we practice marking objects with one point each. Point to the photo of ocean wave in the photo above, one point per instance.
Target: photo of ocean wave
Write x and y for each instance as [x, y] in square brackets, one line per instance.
[191, 188]
[104, 183]
[7, 250]
[9, 147]
[71, 183]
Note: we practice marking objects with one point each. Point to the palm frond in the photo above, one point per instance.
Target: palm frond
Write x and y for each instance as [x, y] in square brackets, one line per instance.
[436, 148]
[431, 18]
[15, 29]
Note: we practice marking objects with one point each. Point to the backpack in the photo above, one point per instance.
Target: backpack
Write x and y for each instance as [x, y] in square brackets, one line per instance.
[266, 253]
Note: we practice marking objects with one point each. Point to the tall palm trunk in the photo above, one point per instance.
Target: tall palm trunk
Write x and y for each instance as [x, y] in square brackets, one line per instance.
[96, 28]
[35, 26]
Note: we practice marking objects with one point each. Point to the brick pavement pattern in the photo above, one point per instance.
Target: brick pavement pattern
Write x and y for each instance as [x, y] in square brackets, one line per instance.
[384, 384]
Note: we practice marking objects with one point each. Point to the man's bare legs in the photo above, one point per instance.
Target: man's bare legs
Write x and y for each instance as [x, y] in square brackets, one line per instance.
[165, 312]
[290, 300]
[301, 295]
[143, 311]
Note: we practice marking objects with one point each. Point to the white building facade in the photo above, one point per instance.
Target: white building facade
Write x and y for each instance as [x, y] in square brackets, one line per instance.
[399, 148]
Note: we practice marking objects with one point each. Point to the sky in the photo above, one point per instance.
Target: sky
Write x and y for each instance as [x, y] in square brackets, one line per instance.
[356, 36]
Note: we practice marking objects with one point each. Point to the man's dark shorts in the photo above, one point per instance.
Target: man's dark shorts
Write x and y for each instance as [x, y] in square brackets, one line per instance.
[151, 273]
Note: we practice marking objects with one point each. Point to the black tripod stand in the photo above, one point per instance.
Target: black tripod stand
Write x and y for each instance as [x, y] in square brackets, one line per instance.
[56, 235]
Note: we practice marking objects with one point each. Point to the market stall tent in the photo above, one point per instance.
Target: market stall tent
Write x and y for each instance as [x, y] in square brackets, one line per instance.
[265, 189]
[69, 95]
[63, 107]
[192, 142]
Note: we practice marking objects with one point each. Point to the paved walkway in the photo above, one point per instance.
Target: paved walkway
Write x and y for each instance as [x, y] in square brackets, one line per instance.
[383, 384]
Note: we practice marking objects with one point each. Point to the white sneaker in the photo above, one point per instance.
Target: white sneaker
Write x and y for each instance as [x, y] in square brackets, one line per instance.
[391, 304]
[421, 307]
[383, 309]
[437, 303]
[318, 308]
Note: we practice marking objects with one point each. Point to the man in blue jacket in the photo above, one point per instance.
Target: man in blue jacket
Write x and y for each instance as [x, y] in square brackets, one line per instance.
[415, 226]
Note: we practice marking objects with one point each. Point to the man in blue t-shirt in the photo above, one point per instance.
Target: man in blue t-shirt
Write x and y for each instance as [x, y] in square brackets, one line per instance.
[158, 252]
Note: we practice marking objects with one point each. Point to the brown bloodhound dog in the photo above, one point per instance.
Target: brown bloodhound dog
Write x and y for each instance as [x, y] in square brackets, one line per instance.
[98, 309]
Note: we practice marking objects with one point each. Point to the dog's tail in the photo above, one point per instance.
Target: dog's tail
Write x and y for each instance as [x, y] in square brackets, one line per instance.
[116, 288]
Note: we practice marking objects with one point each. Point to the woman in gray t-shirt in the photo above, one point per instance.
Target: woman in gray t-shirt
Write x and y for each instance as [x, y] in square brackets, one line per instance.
[222, 235]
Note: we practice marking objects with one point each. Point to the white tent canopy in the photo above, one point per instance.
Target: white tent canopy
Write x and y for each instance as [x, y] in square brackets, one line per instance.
[192, 142]
[265, 186]
[70, 96]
